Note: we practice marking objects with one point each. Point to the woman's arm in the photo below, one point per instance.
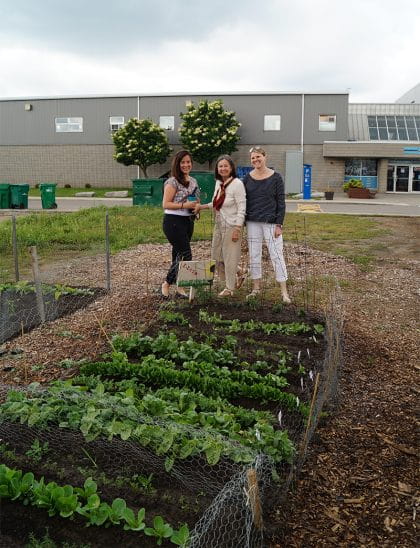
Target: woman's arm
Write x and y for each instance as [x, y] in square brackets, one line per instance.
[280, 200]
[240, 201]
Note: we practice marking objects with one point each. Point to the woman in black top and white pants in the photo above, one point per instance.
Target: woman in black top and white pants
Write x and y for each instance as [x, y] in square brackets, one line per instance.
[180, 197]
[264, 220]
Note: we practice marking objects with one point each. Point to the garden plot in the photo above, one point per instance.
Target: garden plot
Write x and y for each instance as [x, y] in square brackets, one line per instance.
[184, 434]
[20, 311]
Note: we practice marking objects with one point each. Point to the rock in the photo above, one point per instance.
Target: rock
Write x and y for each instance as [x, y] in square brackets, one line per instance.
[16, 351]
[84, 194]
[117, 194]
[3, 351]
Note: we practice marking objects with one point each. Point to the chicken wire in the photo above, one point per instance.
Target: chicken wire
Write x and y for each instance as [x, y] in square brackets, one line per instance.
[243, 495]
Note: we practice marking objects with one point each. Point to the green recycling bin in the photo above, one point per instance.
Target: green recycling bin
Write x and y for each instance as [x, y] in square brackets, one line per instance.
[4, 196]
[147, 191]
[206, 182]
[19, 196]
[48, 195]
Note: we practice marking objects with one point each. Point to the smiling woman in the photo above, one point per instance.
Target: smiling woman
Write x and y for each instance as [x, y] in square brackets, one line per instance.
[180, 196]
[265, 214]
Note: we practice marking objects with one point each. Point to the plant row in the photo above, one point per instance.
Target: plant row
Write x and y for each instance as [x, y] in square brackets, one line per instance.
[99, 414]
[67, 501]
[227, 384]
[236, 326]
[58, 290]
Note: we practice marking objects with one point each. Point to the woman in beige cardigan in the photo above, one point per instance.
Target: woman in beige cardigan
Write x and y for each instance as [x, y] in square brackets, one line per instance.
[229, 206]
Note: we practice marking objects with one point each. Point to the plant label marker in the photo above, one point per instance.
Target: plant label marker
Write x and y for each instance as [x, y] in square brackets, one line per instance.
[195, 274]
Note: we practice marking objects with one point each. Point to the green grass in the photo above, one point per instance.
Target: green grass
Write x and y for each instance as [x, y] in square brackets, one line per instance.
[62, 235]
[62, 192]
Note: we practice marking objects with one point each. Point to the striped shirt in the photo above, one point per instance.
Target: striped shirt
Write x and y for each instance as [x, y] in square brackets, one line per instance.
[265, 201]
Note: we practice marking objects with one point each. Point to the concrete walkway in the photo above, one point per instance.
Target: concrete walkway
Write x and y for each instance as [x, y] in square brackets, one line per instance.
[405, 205]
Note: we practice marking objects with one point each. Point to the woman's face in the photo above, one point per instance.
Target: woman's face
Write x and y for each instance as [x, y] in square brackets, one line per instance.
[186, 165]
[257, 160]
[224, 169]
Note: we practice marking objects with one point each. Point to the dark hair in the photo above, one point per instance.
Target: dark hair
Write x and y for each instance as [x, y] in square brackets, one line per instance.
[176, 167]
[232, 166]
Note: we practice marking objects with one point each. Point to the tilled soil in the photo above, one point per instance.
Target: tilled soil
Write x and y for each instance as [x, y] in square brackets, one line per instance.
[358, 486]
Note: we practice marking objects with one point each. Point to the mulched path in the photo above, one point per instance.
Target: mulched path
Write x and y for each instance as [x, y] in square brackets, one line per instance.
[358, 486]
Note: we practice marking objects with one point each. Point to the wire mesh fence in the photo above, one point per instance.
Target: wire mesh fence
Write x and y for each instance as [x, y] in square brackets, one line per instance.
[236, 500]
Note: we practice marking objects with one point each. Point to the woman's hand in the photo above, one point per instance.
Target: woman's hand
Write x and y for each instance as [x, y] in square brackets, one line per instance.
[236, 232]
[278, 231]
[191, 204]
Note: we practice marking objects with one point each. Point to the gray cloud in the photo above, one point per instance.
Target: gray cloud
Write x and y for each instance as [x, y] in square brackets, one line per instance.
[108, 27]
[58, 47]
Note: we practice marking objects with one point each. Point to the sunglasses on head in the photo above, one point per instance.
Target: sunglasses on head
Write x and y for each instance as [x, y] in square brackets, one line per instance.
[257, 149]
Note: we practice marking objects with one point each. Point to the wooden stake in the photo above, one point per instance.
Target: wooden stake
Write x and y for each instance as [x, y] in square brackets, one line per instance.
[191, 294]
[254, 497]
[37, 280]
[305, 438]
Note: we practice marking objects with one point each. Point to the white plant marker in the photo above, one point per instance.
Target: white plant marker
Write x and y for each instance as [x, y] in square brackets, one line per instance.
[301, 383]
[257, 434]
[279, 416]
[299, 353]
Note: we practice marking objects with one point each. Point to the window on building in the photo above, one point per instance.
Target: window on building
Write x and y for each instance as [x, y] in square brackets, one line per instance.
[69, 125]
[272, 122]
[327, 122]
[167, 122]
[116, 123]
[358, 167]
[394, 128]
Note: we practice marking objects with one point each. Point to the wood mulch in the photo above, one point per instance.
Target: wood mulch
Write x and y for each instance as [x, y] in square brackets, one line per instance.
[358, 486]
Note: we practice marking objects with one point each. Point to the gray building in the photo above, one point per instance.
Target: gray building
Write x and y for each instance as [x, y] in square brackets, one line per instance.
[412, 96]
[68, 139]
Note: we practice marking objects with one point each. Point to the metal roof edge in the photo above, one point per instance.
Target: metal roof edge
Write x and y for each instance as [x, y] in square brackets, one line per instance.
[352, 142]
[175, 94]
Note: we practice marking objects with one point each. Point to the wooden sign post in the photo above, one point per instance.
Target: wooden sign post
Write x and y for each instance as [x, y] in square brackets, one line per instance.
[195, 274]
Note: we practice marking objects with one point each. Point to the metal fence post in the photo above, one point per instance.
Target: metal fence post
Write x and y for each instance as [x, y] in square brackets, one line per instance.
[107, 253]
[37, 280]
[15, 248]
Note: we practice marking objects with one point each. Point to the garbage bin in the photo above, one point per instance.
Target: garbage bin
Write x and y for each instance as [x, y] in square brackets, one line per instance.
[206, 182]
[4, 196]
[19, 196]
[147, 191]
[48, 195]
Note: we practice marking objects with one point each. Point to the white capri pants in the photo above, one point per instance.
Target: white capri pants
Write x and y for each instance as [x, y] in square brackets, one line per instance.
[256, 233]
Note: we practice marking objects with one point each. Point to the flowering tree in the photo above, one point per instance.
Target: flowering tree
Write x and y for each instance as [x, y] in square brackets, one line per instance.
[141, 143]
[208, 130]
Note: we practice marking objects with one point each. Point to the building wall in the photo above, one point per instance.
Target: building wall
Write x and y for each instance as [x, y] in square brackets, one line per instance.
[37, 126]
[78, 165]
[373, 149]
[64, 164]
[382, 174]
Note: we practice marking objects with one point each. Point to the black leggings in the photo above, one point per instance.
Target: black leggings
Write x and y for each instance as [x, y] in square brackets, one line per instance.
[179, 230]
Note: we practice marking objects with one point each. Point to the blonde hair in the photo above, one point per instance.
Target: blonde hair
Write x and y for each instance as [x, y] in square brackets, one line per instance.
[257, 149]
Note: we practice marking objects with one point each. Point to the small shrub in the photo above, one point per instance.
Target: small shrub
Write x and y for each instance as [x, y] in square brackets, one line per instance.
[67, 185]
[352, 183]
[88, 185]
[37, 185]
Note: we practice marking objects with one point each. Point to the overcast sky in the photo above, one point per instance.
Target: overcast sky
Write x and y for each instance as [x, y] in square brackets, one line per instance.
[78, 47]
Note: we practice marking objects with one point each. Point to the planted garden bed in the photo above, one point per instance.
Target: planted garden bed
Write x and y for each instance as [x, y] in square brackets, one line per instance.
[184, 414]
[19, 310]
